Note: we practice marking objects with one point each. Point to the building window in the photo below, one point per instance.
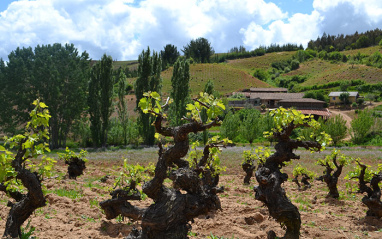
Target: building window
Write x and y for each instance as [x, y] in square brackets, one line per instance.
[334, 98]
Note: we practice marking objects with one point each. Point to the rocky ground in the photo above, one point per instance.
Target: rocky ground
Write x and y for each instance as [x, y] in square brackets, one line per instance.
[73, 212]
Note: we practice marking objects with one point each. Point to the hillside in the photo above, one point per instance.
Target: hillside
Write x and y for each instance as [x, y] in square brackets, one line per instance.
[235, 75]
[226, 78]
[264, 62]
[321, 72]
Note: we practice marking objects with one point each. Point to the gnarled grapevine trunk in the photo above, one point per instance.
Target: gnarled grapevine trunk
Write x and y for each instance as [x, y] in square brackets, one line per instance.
[248, 169]
[330, 179]
[270, 179]
[373, 198]
[194, 190]
[25, 204]
[304, 181]
[76, 167]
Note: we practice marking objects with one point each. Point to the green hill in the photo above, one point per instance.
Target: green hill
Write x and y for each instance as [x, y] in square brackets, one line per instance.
[235, 75]
[321, 72]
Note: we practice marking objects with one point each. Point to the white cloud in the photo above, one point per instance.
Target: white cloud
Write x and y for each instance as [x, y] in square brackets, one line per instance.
[348, 16]
[123, 28]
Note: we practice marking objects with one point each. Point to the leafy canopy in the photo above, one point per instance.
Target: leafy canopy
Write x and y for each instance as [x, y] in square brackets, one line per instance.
[300, 170]
[285, 120]
[151, 104]
[259, 155]
[29, 145]
[336, 157]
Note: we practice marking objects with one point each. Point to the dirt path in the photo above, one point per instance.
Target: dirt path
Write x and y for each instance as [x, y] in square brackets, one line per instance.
[345, 115]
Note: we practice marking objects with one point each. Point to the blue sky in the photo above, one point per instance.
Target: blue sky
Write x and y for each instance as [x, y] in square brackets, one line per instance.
[123, 28]
[4, 4]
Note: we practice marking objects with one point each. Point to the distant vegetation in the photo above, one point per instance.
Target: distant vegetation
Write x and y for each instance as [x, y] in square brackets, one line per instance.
[341, 63]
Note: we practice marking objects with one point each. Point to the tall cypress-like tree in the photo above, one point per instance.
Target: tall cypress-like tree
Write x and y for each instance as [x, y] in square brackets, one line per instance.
[149, 79]
[100, 99]
[122, 105]
[180, 92]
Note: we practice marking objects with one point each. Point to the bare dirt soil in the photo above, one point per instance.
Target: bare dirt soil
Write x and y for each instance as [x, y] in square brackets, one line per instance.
[77, 215]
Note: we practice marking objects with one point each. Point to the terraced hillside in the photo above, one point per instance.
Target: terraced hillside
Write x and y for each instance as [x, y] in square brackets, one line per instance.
[321, 72]
[226, 78]
[263, 62]
[235, 75]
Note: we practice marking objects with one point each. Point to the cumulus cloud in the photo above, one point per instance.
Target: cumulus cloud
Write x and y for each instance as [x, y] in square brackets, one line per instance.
[348, 16]
[123, 28]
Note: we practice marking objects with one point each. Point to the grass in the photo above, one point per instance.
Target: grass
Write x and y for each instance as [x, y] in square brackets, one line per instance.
[322, 72]
[226, 78]
[235, 75]
[72, 194]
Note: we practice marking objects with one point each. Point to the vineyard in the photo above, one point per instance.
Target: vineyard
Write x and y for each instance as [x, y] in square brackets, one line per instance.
[73, 210]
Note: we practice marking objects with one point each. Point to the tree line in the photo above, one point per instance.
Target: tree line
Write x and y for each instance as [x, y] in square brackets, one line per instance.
[341, 42]
[83, 94]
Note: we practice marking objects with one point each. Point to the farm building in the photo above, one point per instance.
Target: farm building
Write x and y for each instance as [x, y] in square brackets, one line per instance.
[240, 104]
[278, 97]
[266, 90]
[307, 106]
[334, 97]
[271, 100]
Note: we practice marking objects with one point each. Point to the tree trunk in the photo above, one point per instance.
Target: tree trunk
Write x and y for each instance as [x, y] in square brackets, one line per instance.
[22, 209]
[248, 169]
[273, 196]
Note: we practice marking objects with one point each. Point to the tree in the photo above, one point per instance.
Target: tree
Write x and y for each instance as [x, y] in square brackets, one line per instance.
[180, 93]
[122, 106]
[251, 127]
[100, 99]
[361, 125]
[149, 69]
[269, 176]
[16, 89]
[20, 177]
[336, 128]
[200, 50]
[169, 55]
[55, 73]
[344, 97]
[261, 74]
[231, 126]
[333, 164]
[197, 176]
[362, 42]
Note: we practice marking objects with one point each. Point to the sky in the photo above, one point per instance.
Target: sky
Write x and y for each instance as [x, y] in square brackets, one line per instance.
[123, 28]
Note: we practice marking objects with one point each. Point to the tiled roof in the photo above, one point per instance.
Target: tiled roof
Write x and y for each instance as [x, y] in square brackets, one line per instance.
[268, 90]
[323, 112]
[338, 93]
[305, 100]
[276, 96]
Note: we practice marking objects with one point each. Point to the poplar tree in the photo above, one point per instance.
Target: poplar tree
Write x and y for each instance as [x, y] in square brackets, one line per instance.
[149, 69]
[100, 99]
[180, 91]
[122, 106]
